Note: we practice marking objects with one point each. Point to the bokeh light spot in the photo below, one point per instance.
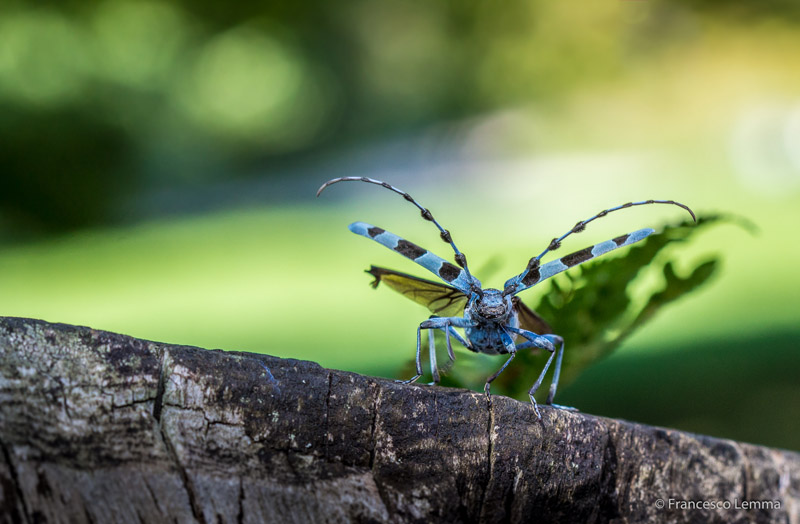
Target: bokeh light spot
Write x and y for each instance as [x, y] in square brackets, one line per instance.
[137, 42]
[250, 85]
[43, 57]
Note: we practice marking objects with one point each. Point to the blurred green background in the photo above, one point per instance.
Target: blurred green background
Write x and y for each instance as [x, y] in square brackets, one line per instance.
[158, 164]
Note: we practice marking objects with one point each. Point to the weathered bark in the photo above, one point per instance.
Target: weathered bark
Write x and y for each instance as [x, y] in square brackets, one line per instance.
[100, 427]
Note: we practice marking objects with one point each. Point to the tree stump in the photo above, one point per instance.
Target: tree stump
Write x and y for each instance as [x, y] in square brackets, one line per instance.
[98, 427]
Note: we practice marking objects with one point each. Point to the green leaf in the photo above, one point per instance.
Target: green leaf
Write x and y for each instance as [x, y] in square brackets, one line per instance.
[593, 309]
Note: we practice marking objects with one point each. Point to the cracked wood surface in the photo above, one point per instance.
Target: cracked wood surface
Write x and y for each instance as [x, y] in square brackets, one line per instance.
[101, 427]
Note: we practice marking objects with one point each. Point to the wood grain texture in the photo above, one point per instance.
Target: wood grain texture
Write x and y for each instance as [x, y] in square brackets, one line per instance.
[98, 427]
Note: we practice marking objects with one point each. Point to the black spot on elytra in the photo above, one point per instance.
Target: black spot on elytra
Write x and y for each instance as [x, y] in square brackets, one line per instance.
[532, 277]
[621, 239]
[573, 259]
[374, 231]
[409, 249]
[449, 272]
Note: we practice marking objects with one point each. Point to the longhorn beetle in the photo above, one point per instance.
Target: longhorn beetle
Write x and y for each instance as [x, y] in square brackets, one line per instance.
[491, 319]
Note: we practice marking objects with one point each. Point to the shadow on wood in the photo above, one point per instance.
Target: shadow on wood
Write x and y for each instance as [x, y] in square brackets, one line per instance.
[100, 427]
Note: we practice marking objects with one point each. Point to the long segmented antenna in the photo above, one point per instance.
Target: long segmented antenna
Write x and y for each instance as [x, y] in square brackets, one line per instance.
[533, 263]
[460, 258]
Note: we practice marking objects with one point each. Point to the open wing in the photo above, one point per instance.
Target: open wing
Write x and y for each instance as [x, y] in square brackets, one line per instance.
[528, 319]
[440, 299]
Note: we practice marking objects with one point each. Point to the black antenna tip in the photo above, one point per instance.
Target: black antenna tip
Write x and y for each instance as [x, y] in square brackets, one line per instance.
[687, 208]
[326, 184]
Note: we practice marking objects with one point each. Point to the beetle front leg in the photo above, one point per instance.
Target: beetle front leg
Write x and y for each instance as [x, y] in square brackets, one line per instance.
[418, 361]
[548, 342]
[432, 357]
[446, 324]
[556, 373]
[450, 332]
